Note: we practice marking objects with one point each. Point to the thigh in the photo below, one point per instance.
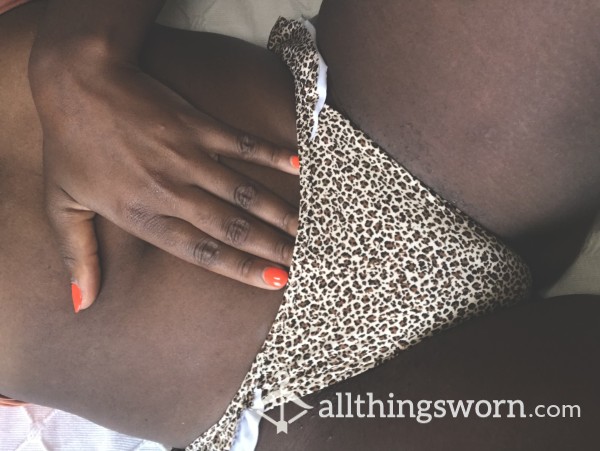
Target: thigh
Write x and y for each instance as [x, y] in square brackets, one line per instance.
[540, 353]
[494, 104]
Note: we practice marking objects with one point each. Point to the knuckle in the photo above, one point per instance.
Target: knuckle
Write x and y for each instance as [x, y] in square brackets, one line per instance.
[140, 217]
[274, 156]
[246, 145]
[160, 186]
[245, 267]
[205, 252]
[237, 230]
[69, 262]
[286, 221]
[67, 253]
[284, 250]
[245, 195]
[135, 212]
[157, 181]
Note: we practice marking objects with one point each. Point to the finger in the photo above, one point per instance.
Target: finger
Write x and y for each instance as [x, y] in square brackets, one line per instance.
[247, 194]
[185, 241]
[228, 224]
[74, 230]
[223, 140]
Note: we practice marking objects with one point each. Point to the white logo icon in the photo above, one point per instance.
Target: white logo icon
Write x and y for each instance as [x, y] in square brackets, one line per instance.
[286, 396]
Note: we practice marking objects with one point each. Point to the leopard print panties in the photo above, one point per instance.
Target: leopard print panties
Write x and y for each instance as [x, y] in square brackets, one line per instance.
[381, 262]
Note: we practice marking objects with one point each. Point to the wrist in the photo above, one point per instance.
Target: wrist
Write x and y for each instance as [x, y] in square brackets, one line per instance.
[70, 52]
[88, 32]
[56, 67]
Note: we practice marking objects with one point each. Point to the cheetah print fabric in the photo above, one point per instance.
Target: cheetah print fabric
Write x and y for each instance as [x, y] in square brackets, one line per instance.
[381, 262]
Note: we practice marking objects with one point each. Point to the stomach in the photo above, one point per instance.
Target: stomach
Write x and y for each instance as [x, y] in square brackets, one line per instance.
[166, 345]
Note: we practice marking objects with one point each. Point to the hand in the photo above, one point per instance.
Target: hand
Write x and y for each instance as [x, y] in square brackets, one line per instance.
[120, 144]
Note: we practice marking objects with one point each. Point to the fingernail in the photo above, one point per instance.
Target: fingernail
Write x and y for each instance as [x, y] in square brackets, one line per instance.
[275, 277]
[295, 161]
[77, 297]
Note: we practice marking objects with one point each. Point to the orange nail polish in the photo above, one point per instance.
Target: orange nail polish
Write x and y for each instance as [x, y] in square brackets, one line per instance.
[77, 297]
[275, 277]
[295, 161]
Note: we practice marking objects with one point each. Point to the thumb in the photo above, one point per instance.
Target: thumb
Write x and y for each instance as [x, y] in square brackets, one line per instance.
[74, 230]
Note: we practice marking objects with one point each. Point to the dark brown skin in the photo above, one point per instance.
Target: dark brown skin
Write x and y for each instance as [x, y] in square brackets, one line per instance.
[197, 332]
[543, 352]
[496, 106]
[110, 128]
[167, 344]
[496, 103]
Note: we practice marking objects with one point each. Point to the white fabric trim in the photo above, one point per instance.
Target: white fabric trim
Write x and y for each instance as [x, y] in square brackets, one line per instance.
[246, 436]
[37, 428]
[321, 82]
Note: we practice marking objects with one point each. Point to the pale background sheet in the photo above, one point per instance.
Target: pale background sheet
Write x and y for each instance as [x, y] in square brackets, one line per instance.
[36, 428]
